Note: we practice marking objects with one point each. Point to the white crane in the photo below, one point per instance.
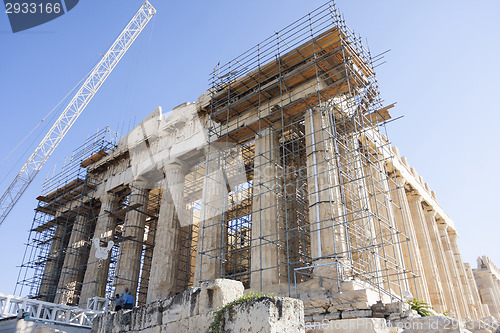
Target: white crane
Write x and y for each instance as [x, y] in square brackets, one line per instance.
[75, 107]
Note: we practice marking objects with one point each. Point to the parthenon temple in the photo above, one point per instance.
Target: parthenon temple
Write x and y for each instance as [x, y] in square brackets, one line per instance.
[280, 176]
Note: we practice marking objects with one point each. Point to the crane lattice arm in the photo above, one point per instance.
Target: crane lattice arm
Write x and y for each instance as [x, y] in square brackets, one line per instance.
[74, 109]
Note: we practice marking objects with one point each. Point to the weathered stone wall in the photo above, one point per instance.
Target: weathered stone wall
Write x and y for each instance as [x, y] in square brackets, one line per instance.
[192, 311]
[277, 314]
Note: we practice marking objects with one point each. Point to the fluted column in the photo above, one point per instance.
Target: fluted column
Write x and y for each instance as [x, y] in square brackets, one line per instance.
[326, 211]
[431, 272]
[211, 228]
[52, 272]
[472, 300]
[456, 281]
[444, 271]
[147, 265]
[96, 275]
[382, 226]
[264, 248]
[129, 261]
[73, 266]
[484, 310]
[165, 263]
[411, 251]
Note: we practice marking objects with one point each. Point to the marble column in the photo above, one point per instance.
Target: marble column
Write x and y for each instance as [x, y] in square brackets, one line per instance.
[165, 263]
[388, 256]
[431, 272]
[209, 256]
[55, 257]
[460, 290]
[442, 265]
[411, 251]
[129, 260]
[147, 266]
[473, 300]
[326, 210]
[74, 260]
[96, 275]
[264, 247]
[484, 309]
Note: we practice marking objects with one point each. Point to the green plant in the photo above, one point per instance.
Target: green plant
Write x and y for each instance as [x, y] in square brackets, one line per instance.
[217, 323]
[422, 308]
[449, 313]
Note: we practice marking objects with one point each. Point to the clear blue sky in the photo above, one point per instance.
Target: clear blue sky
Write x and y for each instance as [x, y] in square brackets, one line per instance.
[442, 71]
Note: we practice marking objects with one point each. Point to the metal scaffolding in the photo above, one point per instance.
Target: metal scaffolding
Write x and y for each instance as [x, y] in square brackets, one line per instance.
[60, 239]
[296, 184]
[65, 196]
[303, 111]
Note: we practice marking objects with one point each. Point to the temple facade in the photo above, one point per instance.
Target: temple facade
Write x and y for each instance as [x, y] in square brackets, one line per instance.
[280, 176]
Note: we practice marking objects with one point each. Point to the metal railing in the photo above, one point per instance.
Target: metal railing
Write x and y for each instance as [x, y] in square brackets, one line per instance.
[35, 310]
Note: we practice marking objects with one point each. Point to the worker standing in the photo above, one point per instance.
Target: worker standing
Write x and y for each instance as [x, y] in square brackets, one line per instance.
[128, 299]
[118, 302]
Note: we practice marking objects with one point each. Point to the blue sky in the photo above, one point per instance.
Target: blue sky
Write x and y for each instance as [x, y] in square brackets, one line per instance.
[442, 71]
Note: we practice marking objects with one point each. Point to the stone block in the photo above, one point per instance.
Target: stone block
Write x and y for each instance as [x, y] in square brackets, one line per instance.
[394, 316]
[318, 300]
[200, 323]
[155, 329]
[398, 307]
[484, 325]
[361, 299]
[266, 315]
[172, 309]
[359, 325]
[327, 316]
[217, 293]
[353, 285]
[432, 324]
[313, 311]
[178, 326]
[180, 306]
[356, 314]
[147, 316]
[309, 285]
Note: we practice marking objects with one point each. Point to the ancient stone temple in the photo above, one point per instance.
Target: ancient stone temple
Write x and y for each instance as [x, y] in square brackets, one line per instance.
[280, 176]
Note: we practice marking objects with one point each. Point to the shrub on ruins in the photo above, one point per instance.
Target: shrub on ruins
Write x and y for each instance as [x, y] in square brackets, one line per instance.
[422, 308]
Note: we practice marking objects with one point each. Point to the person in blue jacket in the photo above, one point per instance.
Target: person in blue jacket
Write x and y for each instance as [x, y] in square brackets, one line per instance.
[128, 299]
[118, 302]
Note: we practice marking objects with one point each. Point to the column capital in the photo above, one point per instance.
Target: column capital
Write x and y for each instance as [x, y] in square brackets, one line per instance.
[175, 165]
[107, 197]
[137, 185]
[430, 212]
[138, 188]
[441, 223]
[452, 233]
[414, 197]
[399, 180]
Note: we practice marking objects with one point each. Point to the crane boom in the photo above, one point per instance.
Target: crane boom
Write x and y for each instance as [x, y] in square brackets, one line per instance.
[75, 107]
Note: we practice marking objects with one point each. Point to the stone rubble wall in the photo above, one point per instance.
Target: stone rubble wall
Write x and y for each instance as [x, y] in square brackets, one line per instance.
[410, 324]
[357, 308]
[351, 310]
[192, 311]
